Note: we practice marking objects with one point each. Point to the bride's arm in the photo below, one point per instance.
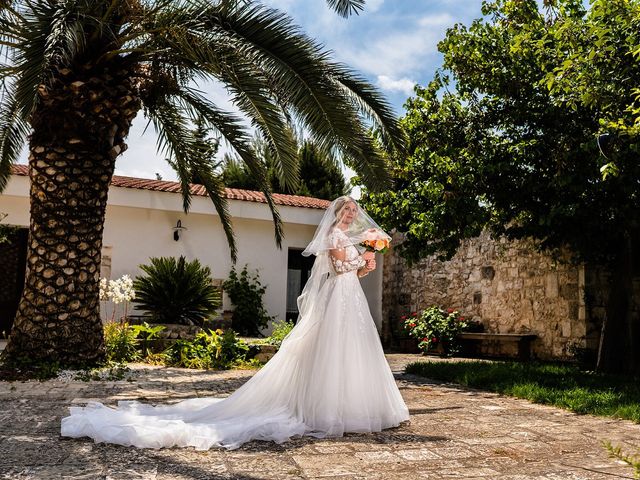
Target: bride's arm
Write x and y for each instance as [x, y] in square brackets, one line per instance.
[342, 265]
[339, 261]
[337, 254]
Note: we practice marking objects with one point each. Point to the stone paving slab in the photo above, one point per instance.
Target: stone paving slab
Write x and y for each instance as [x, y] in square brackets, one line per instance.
[454, 433]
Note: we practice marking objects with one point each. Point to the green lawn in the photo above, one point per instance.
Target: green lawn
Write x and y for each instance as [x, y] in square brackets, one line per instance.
[563, 386]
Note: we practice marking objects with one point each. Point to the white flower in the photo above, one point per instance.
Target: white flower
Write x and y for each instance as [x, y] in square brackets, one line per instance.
[104, 294]
[118, 291]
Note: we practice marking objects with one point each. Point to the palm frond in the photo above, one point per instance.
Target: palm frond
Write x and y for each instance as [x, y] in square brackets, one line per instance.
[346, 7]
[296, 68]
[272, 69]
[13, 133]
[251, 94]
[229, 127]
[365, 158]
[53, 34]
[372, 103]
[175, 140]
[216, 190]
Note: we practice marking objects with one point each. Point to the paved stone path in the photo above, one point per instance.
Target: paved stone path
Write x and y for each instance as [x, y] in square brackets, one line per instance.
[454, 433]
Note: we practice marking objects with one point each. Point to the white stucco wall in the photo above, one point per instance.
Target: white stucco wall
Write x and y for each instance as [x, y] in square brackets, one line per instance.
[139, 224]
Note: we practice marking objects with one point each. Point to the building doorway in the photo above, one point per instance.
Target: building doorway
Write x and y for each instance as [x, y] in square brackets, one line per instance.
[298, 271]
[13, 262]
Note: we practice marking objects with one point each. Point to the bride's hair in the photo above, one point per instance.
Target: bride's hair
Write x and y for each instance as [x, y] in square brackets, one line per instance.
[340, 203]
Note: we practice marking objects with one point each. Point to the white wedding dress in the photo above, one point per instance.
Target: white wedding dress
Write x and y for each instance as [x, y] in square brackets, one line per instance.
[329, 377]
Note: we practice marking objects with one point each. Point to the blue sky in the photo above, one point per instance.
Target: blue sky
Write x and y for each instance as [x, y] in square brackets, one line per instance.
[393, 43]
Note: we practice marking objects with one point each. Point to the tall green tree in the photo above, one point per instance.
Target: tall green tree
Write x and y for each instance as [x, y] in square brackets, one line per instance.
[79, 71]
[320, 173]
[506, 138]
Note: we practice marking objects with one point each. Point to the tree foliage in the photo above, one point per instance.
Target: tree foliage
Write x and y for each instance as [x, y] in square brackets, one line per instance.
[320, 175]
[506, 136]
[245, 292]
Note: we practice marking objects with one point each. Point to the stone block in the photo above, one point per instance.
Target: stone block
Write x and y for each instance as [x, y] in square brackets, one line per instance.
[565, 328]
[578, 330]
[574, 309]
[551, 285]
[475, 275]
[569, 291]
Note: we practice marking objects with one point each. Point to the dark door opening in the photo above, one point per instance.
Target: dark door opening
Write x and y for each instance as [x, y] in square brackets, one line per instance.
[13, 262]
[298, 271]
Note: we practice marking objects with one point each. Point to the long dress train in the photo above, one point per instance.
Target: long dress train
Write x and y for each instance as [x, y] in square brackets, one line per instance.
[332, 379]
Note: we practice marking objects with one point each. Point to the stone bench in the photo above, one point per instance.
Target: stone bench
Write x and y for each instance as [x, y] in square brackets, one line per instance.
[523, 339]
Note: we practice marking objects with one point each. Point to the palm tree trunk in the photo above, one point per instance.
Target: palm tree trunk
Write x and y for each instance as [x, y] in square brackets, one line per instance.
[78, 131]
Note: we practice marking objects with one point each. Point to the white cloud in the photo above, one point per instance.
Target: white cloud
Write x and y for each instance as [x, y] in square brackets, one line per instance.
[403, 85]
[373, 5]
[283, 5]
[437, 21]
[399, 52]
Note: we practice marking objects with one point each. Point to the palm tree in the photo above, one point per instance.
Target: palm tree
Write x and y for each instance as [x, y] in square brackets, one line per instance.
[79, 71]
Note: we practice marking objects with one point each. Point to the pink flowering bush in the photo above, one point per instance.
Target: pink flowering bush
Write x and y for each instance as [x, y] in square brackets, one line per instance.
[435, 326]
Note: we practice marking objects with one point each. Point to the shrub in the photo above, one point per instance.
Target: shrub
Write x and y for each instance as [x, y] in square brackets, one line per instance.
[176, 291]
[281, 329]
[144, 334]
[434, 326]
[121, 342]
[631, 460]
[213, 349]
[246, 292]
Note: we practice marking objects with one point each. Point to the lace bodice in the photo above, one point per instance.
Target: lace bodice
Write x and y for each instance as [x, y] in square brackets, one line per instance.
[352, 258]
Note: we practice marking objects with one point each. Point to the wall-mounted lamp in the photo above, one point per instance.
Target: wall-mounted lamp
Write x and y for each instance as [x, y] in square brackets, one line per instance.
[177, 230]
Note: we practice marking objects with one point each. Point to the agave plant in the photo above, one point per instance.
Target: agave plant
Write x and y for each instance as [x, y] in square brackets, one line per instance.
[176, 291]
[79, 71]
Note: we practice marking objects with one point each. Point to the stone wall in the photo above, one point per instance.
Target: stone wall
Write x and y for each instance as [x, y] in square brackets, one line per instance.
[508, 286]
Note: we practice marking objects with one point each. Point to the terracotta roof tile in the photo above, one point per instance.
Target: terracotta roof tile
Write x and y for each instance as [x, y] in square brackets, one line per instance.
[231, 193]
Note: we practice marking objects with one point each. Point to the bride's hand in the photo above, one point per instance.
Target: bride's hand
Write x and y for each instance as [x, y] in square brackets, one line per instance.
[371, 264]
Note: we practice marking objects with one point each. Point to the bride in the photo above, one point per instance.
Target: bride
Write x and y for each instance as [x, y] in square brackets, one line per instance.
[329, 377]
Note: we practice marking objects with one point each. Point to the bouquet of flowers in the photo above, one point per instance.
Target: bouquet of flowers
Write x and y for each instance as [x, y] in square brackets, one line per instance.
[375, 241]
